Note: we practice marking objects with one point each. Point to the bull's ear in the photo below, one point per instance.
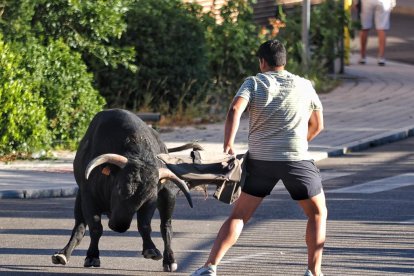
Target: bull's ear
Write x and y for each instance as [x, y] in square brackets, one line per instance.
[106, 170]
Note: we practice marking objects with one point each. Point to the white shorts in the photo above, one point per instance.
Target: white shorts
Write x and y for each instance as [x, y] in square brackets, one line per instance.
[378, 10]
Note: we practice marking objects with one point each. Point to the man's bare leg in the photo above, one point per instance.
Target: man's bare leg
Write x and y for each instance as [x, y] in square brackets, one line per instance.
[363, 37]
[230, 231]
[381, 43]
[315, 210]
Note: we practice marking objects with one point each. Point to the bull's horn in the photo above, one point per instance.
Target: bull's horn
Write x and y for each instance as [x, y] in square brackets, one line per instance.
[166, 173]
[111, 158]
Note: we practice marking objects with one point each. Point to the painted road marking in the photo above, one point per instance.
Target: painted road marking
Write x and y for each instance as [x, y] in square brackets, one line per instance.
[381, 185]
[246, 257]
[411, 221]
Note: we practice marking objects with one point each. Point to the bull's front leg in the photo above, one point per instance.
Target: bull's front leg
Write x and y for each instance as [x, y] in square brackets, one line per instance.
[144, 217]
[166, 205]
[93, 219]
[78, 232]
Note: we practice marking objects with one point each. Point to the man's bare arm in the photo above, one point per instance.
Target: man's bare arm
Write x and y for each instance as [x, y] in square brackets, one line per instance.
[315, 125]
[231, 126]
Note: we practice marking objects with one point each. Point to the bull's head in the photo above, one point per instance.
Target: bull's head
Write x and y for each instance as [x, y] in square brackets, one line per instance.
[122, 161]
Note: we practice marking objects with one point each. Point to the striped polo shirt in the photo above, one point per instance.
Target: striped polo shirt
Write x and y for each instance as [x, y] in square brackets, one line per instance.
[280, 105]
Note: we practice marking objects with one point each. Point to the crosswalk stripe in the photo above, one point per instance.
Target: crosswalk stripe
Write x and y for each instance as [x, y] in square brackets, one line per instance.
[246, 257]
[380, 185]
[411, 221]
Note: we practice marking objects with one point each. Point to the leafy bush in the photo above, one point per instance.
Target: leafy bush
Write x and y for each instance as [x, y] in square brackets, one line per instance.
[232, 46]
[85, 26]
[327, 24]
[327, 32]
[23, 123]
[51, 38]
[66, 87]
[328, 20]
[170, 56]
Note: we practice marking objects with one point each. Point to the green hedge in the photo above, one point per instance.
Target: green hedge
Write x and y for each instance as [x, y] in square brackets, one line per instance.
[23, 122]
[66, 87]
[171, 58]
[47, 99]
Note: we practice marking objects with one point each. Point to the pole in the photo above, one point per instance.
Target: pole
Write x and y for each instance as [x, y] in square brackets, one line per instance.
[347, 39]
[305, 32]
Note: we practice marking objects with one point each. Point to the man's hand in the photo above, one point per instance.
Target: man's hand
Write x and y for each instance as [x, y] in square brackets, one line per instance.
[229, 150]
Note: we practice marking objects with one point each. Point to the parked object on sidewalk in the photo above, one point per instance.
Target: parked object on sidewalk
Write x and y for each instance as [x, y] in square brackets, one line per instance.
[119, 175]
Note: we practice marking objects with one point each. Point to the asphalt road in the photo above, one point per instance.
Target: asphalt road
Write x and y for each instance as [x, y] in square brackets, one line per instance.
[370, 231]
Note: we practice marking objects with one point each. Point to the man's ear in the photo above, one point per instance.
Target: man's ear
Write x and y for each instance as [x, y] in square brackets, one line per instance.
[261, 64]
[261, 61]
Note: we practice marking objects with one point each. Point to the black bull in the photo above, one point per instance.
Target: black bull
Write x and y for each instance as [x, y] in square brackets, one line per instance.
[119, 175]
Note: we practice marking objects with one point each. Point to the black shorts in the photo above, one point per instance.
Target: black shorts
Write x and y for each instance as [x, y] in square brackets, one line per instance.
[301, 178]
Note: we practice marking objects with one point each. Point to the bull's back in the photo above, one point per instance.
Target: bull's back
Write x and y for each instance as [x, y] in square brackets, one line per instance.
[115, 131]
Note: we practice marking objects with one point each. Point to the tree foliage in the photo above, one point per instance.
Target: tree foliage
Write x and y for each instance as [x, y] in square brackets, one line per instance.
[58, 58]
[85, 26]
[46, 41]
[66, 87]
[232, 45]
[170, 54]
[327, 24]
[23, 123]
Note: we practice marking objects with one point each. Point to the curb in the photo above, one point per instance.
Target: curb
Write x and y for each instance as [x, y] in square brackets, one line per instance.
[375, 141]
[39, 193]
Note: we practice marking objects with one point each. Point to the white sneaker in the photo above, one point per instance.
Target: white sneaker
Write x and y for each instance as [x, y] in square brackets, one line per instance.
[381, 61]
[309, 273]
[205, 271]
[362, 61]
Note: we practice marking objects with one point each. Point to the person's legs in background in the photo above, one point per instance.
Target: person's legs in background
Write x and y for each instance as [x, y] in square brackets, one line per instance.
[382, 24]
[381, 46]
[363, 37]
[367, 18]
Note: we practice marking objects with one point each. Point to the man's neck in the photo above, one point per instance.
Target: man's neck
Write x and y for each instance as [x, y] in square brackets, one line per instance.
[274, 69]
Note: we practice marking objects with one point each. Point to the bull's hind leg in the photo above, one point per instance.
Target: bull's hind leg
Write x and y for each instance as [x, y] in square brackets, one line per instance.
[78, 232]
[144, 217]
[166, 204]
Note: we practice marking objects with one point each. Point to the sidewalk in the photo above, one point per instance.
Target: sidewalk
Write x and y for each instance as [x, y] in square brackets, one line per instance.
[404, 7]
[373, 105]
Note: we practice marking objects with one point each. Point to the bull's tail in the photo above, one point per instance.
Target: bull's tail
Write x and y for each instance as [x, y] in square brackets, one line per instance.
[193, 146]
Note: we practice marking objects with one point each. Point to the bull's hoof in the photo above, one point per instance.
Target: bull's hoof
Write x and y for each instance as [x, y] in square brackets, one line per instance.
[58, 258]
[152, 253]
[170, 268]
[89, 262]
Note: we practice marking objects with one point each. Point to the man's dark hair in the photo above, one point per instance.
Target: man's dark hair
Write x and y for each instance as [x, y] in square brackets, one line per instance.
[273, 52]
